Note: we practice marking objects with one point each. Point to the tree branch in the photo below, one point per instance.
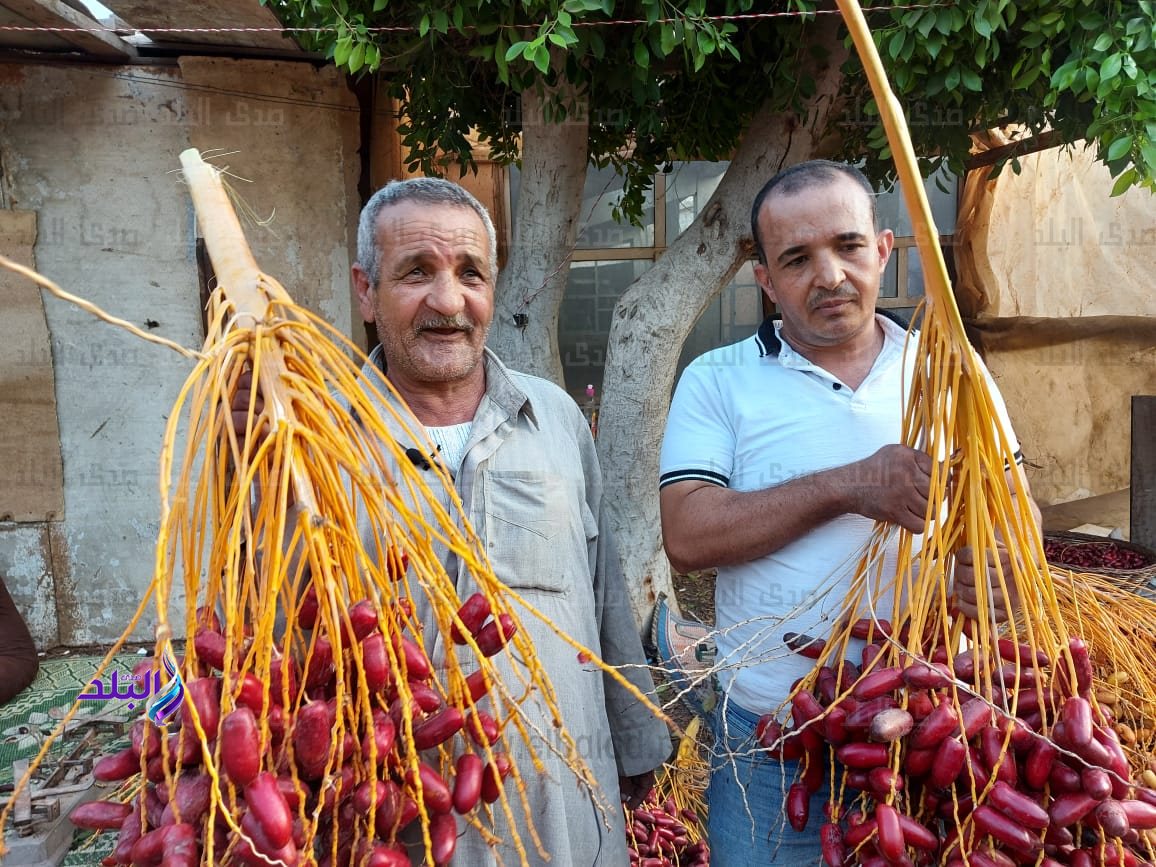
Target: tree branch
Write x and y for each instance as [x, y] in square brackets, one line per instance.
[529, 291]
[1042, 142]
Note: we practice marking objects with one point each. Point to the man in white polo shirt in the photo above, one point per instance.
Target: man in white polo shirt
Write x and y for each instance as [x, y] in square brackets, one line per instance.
[781, 451]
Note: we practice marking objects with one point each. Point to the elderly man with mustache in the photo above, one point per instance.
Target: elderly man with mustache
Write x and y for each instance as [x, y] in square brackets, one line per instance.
[780, 453]
[524, 466]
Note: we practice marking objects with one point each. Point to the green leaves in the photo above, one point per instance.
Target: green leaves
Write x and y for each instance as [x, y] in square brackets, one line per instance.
[1126, 180]
[356, 57]
[1063, 77]
[641, 55]
[682, 84]
[342, 49]
[541, 57]
[895, 43]
[706, 42]
[534, 51]
[1119, 148]
[1083, 69]
[1112, 65]
[926, 22]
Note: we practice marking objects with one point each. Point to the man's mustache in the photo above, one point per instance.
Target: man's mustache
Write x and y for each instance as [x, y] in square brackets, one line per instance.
[846, 292]
[457, 323]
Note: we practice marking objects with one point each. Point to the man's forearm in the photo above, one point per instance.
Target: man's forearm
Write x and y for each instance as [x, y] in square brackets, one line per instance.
[715, 526]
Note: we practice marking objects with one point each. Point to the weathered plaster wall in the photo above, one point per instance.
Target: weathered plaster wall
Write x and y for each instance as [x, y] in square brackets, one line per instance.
[26, 565]
[94, 151]
[295, 137]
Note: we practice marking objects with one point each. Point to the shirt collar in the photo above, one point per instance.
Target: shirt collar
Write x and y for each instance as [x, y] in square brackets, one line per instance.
[501, 389]
[769, 344]
[504, 392]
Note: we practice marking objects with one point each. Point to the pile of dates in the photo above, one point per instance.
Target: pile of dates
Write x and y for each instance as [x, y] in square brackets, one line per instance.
[271, 784]
[919, 752]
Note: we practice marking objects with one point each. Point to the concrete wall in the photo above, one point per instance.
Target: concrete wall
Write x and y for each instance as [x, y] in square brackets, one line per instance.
[93, 151]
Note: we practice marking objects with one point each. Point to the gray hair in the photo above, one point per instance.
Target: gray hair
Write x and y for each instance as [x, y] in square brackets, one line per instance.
[429, 191]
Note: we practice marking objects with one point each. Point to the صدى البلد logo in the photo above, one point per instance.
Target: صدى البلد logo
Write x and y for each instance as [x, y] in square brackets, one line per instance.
[165, 703]
[136, 688]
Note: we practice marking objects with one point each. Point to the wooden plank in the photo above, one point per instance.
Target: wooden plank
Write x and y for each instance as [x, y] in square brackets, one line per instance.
[1143, 523]
[31, 472]
[92, 40]
[31, 40]
[1108, 510]
[153, 19]
[1024, 146]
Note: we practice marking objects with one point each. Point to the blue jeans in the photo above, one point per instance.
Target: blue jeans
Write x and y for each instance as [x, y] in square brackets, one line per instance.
[753, 830]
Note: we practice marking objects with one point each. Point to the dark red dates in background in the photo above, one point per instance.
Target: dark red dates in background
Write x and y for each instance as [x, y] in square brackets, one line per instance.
[1093, 555]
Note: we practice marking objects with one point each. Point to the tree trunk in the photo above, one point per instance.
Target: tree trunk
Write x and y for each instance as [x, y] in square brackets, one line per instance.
[657, 312]
[554, 157]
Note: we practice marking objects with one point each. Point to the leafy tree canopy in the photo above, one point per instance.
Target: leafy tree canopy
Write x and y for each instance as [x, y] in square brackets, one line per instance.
[668, 85]
[1085, 69]
[659, 81]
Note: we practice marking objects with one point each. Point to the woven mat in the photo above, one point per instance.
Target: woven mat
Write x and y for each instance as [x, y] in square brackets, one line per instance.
[27, 720]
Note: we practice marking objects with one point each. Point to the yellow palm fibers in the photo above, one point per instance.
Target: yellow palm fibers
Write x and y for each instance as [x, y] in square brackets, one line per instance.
[247, 532]
[685, 779]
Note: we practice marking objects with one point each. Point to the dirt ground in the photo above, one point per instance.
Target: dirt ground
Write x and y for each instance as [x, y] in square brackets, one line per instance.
[695, 594]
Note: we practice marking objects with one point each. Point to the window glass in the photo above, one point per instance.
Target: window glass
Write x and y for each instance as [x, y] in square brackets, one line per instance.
[733, 315]
[889, 288]
[597, 229]
[893, 214]
[688, 187]
[584, 319]
[914, 274]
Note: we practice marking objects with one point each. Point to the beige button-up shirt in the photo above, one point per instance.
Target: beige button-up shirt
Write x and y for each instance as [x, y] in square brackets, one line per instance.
[532, 490]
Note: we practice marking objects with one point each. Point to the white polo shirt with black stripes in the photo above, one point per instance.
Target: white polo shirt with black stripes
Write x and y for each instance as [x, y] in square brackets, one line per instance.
[755, 414]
